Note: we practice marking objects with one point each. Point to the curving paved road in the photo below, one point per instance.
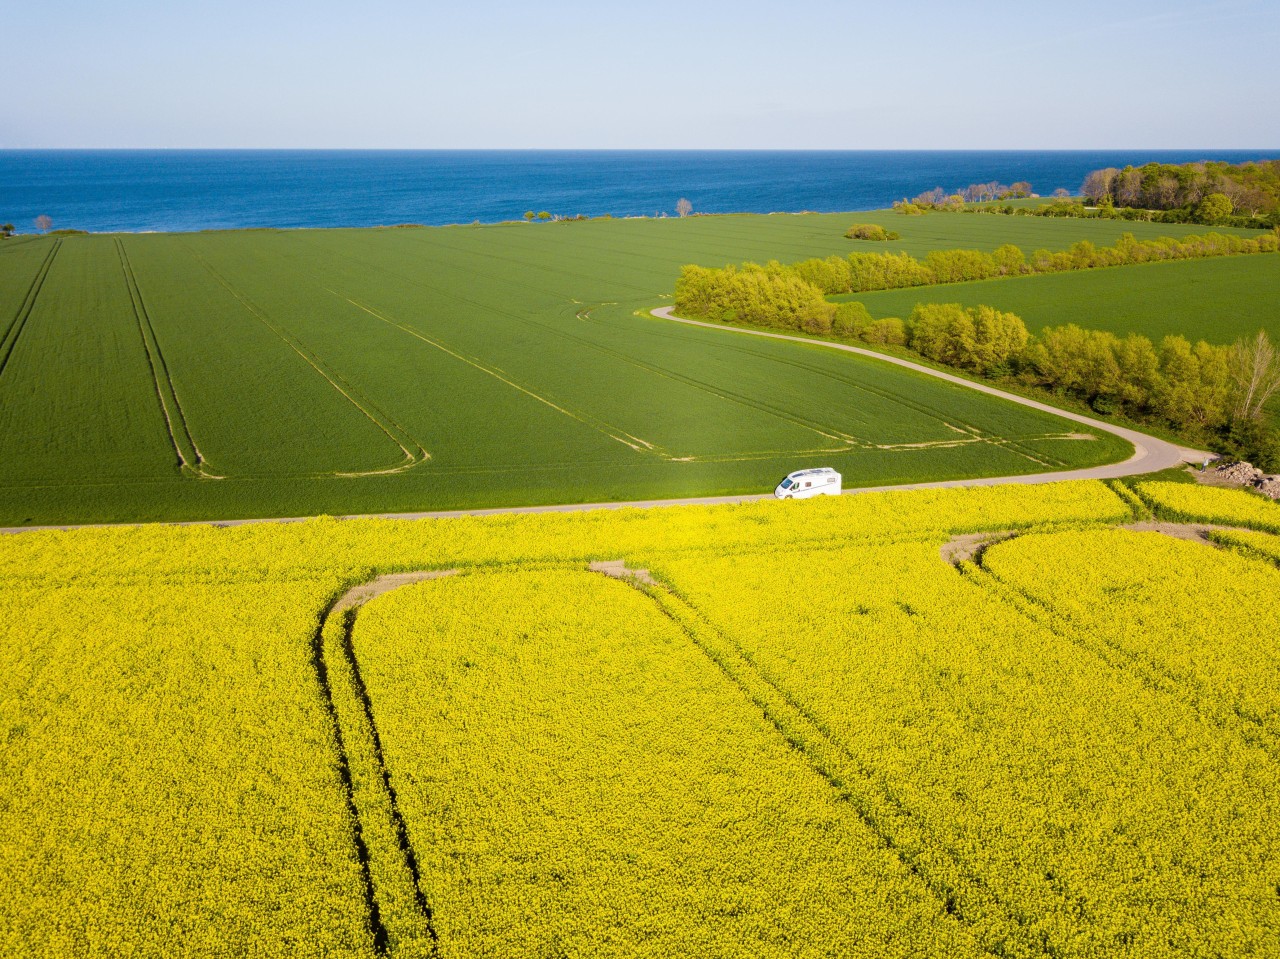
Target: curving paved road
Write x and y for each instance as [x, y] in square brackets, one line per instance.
[1150, 454]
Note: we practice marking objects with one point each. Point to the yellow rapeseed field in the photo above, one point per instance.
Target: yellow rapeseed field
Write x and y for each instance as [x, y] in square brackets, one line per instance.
[817, 730]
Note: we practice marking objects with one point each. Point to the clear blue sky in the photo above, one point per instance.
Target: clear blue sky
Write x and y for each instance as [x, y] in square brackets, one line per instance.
[650, 74]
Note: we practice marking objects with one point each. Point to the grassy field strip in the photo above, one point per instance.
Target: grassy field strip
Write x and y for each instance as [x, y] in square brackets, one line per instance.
[1217, 299]
[948, 419]
[554, 266]
[14, 242]
[1194, 654]
[14, 330]
[952, 422]
[969, 431]
[184, 444]
[621, 436]
[413, 451]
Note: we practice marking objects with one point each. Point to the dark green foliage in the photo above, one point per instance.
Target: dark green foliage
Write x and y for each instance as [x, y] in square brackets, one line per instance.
[1253, 441]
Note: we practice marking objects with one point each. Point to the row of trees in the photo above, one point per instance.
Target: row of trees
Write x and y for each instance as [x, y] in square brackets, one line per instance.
[863, 272]
[780, 295]
[1215, 393]
[1251, 188]
[1215, 209]
[940, 199]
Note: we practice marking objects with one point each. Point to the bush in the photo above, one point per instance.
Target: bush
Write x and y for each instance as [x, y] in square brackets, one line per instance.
[977, 338]
[850, 319]
[870, 231]
[889, 331]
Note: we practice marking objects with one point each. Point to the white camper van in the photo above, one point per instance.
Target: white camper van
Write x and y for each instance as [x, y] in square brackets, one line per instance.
[822, 481]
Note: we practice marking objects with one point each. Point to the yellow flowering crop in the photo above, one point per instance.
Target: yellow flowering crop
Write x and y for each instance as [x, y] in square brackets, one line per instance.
[579, 780]
[168, 781]
[1061, 799]
[1201, 504]
[1202, 623]
[811, 736]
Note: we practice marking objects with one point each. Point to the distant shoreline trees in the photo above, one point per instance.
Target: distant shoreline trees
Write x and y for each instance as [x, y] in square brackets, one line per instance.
[1253, 188]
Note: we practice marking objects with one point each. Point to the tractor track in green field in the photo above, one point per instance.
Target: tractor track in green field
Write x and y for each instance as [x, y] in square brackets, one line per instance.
[414, 453]
[1150, 453]
[613, 432]
[180, 437]
[845, 441]
[13, 332]
[947, 419]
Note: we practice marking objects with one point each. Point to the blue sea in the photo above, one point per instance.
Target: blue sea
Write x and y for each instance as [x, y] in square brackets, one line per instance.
[179, 190]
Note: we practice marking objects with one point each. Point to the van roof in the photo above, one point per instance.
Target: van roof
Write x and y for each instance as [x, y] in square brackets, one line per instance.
[812, 472]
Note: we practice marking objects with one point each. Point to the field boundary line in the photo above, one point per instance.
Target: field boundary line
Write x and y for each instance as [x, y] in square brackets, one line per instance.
[13, 332]
[1150, 453]
[414, 452]
[184, 445]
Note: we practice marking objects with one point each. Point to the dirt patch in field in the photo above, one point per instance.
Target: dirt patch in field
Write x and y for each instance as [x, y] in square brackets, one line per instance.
[618, 569]
[968, 547]
[1192, 532]
[359, 595]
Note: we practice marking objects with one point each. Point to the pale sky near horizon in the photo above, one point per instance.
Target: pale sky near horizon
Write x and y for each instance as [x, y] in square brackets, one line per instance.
[910, 74]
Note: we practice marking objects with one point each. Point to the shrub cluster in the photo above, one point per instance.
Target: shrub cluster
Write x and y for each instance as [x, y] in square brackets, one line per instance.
[870, 231]
[980, 339]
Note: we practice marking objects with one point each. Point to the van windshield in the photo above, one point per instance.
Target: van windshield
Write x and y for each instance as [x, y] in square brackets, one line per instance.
[786, 484]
